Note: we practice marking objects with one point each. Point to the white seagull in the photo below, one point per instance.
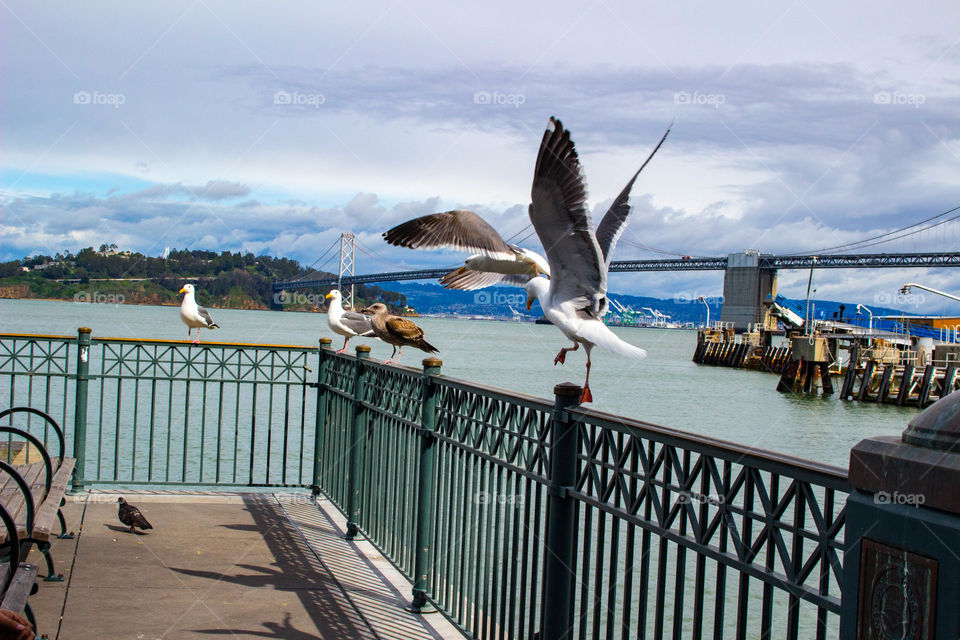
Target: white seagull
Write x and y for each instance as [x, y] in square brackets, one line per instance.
[194, 316]
[497, 261]
[575, 297]
[346, 323]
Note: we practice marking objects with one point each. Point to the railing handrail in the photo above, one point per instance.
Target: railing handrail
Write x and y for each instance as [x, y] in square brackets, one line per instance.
[821, 473]
[155, 341]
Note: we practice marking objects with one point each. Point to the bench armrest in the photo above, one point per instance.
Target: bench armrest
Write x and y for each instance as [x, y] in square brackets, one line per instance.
[50, 421]
[47, 463]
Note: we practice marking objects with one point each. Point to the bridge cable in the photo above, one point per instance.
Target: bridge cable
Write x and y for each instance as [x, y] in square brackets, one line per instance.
[307, 270]
[883, 235]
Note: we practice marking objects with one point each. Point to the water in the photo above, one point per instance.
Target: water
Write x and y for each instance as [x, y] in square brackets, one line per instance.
[666, 389]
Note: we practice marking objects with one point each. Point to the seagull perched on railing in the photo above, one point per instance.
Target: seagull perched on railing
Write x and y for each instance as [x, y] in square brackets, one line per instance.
[575, 297]
[194, 316]
[397, 331]
[346, 323]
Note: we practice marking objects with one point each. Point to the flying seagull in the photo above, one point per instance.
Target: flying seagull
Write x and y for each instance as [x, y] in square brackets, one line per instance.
[131, 516]
[194, 316]
[346, 323]
[575, 297]
[495, 262]
[498, 262]
[397, 331]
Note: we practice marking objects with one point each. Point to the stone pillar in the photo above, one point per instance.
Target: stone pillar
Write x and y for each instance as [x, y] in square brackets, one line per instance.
[901, 569]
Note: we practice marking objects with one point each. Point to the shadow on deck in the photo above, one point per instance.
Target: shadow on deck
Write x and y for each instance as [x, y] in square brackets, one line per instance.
[240, 566]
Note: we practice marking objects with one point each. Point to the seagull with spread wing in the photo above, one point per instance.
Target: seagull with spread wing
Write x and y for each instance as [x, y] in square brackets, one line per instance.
[193, 315]
[575, 297]
[496, 261]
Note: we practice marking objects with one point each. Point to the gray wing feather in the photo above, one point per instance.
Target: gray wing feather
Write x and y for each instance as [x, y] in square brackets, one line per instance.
[614, 222]
[470, 279]
[357, 322]
[459, 229]
[559, 215]
[206, 316]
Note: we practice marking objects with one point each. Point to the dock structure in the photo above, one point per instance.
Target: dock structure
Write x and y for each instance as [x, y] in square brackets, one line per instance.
[513, 516]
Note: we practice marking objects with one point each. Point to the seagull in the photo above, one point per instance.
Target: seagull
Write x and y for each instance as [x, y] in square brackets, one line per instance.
[575, 297]
[194, 316]
[131, 516]
[346, 323]
[496, 263]
[397, 331]
[499, 262]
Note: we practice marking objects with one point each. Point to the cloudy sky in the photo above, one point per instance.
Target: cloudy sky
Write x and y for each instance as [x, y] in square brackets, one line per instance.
[798, 126]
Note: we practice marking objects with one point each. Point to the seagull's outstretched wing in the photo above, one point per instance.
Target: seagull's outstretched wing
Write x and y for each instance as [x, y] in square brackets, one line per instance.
[466, 279]
[559, 215]
[461, 230]
[615, 220]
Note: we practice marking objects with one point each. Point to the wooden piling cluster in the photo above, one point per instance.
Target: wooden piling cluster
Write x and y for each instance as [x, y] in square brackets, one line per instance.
[902, 385]
[741, 355]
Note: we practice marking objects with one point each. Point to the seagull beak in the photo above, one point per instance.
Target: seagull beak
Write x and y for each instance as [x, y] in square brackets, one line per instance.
[329, 295]
[529, 303]
[183, 290]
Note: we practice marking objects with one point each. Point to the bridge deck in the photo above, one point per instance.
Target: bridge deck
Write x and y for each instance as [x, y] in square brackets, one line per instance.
[240, 566]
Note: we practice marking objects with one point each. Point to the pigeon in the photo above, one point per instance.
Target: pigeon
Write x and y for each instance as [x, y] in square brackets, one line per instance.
[397, 331]
[194, 316]
[131, 516]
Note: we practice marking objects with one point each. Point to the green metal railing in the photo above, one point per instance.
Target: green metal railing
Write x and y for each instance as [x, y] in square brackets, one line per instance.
[512, 514]
[156, 413]
[515, 516]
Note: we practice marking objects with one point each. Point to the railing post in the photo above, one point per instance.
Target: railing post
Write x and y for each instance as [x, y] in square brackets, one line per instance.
[425, 486]
[80, 407]
[559, 573]
[900, 557]
[321, 412]
[356, 446]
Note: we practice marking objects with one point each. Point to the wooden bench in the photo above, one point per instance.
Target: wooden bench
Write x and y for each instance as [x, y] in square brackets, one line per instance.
[32, 489]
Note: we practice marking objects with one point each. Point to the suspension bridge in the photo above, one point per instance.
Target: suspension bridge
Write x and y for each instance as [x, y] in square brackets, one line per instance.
[749, 279]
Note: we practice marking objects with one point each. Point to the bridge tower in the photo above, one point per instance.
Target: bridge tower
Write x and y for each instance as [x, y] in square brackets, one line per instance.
[348, 248]
[745, 288]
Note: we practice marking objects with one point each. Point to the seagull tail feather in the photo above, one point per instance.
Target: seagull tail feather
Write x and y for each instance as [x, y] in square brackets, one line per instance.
[600, 335]
[423, 345]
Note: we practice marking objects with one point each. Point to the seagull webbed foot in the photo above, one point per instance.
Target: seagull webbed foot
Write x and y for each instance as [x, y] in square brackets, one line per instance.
[585, 395]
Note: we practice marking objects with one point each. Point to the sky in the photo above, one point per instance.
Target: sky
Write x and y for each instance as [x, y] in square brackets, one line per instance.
[275, 127]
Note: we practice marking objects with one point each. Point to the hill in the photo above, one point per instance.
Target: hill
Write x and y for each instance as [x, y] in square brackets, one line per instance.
[224, 280]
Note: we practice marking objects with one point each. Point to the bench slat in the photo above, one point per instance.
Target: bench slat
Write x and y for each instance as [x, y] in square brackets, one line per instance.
[15, 599]
[47, 513]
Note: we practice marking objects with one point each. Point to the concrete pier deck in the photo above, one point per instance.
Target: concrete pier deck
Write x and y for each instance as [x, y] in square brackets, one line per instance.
[222, 565]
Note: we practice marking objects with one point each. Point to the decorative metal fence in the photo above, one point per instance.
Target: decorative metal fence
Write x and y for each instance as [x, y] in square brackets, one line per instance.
[153, 412]
[512, 514]
[532, 516]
